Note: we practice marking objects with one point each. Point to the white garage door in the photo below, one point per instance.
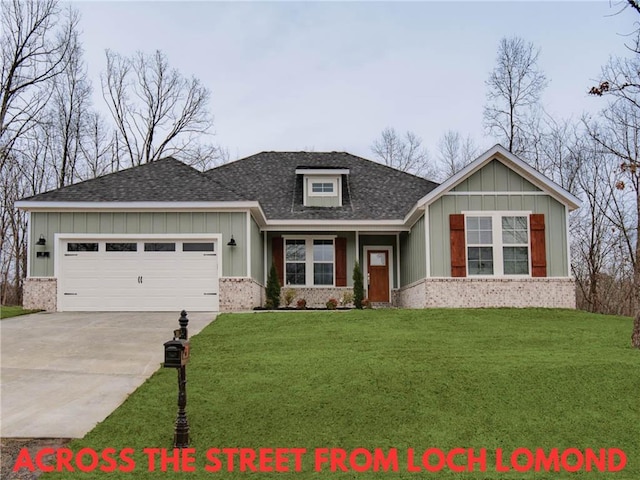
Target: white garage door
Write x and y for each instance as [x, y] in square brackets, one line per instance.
[138, 275]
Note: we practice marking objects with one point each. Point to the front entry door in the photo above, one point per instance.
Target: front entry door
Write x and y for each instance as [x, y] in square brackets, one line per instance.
[378, 265]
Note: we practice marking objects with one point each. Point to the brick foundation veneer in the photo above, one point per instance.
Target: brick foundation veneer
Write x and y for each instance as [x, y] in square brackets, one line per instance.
[40, 294]
[488, 292]
[316, 297]
[240, 294]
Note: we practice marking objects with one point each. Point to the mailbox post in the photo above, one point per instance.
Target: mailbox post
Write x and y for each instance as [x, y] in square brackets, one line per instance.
[176, 355]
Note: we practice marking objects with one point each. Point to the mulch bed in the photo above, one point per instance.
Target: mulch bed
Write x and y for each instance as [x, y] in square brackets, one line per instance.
[10, 448]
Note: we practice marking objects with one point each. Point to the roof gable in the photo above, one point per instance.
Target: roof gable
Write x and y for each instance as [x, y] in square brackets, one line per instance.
[495, 176]
[474, 174]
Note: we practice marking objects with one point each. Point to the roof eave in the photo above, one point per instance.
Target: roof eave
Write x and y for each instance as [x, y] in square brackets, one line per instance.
[396, 225]
[44, 206]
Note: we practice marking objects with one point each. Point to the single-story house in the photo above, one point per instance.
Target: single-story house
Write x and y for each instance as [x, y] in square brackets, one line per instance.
[164, 236]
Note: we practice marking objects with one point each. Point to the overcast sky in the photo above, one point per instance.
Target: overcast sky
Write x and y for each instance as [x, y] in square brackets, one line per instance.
[331, 75]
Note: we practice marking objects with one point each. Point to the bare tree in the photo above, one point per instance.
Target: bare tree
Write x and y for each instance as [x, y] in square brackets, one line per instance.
[514, 89]
[157, 111]
[97, 148]
[455, 152]
[595, 240]
[68, 115]
[404, 153]
[619, 135]
[34, 43]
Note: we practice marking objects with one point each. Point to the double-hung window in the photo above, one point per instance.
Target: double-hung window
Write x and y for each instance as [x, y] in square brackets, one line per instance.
[515, 245]
[497, 244]
[480, 245]
[295, 259]
[309, 261]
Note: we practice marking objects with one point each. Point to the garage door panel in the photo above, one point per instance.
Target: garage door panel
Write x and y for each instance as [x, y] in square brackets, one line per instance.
[138, 280]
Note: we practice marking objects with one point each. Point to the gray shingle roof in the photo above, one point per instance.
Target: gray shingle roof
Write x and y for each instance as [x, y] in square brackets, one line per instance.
[165, 180]
[371, 191]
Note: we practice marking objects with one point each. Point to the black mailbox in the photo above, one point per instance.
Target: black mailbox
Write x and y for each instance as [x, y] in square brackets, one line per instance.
[176, 353]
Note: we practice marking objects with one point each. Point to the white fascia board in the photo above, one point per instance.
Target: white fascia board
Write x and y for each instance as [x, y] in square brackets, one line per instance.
[512, 161]
[33, 205]
[322, 171]
[336, 225]
[243, 206]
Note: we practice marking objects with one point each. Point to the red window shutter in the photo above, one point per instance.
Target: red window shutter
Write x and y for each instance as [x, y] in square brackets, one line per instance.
[538, 249]
[458, 257]
[341, 261]
[277, 251]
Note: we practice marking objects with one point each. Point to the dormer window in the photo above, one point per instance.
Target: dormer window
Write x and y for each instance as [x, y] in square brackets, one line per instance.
[322, 187]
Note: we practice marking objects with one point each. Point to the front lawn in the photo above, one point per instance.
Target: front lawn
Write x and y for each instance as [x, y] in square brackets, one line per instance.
[14, 311]
[393, 379]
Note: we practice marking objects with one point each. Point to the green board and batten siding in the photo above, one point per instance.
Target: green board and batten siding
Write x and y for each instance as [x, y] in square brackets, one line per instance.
[257, 254]
[225, 223]
[412, 254]
[496, 177]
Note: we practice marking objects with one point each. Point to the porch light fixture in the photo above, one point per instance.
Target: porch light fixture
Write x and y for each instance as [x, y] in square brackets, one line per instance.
[41, 247]
[232, 242]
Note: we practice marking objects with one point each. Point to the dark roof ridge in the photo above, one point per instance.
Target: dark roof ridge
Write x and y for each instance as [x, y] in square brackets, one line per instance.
[284, 152]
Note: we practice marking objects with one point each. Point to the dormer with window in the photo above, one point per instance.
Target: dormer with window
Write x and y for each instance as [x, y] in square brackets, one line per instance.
[322, 187]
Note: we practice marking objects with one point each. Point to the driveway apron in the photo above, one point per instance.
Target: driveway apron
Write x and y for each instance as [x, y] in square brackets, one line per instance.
[62, 373]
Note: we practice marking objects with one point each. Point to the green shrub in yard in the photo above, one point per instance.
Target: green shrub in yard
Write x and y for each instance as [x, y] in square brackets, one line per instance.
[347, 298]
[273, 288]
[332, 304]
[358, 285]
[288, 296]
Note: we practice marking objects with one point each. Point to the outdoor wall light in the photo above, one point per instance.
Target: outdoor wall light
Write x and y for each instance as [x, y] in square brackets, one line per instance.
[232, 242]
[41, 246]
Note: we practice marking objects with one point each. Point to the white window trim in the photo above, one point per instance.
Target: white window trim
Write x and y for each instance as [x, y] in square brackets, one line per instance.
[308, 257]
[496, 224]
[328, 181]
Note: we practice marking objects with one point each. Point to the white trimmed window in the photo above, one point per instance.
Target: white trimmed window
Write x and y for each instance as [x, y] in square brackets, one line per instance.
[497, 244]
[322, 186]
[309, 261]
[295, 255]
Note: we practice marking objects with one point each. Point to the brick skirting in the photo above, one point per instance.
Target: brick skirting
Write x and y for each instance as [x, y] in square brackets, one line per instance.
[40, 294]
[316, 297]
[488, 292]
[240, 294]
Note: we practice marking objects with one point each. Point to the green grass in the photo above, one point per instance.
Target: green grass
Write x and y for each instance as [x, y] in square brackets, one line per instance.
[8, 312]
[494, 378]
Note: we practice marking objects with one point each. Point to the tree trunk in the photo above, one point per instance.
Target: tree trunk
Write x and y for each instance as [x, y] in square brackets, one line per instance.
[635, 336]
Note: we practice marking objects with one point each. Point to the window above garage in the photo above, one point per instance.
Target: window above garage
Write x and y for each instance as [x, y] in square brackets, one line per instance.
[322, 187]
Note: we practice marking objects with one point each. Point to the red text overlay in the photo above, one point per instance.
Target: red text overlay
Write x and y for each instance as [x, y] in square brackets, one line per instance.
[359, 460]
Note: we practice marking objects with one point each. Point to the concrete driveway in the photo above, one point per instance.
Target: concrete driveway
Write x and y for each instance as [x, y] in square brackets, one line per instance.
[62, 373]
